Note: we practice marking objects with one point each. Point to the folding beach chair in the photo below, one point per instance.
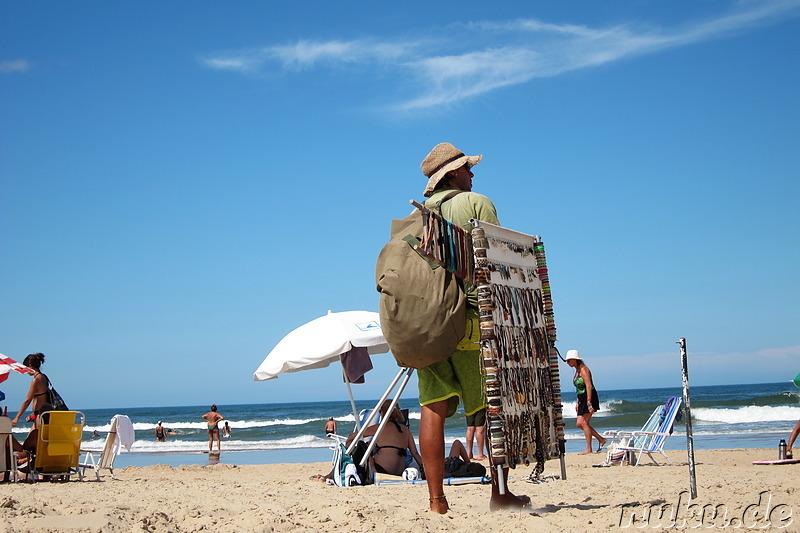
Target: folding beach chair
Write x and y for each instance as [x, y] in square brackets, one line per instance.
[111, 448]
[8, 462]
[622, 439]
[651, 441]
[59, 444]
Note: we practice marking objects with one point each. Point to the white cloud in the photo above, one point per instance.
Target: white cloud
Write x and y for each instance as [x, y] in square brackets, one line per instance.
[17, 65]
[306, 54]
[500, 54]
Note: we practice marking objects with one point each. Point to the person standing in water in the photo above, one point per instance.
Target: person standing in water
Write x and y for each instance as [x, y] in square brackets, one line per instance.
[330, 427]
[213, 418]
[161, 433]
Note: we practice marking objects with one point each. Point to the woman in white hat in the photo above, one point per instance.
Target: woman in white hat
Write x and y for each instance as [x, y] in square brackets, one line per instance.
[588, 400]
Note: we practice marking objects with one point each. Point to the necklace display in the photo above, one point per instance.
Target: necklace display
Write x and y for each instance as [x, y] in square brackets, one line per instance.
[520, 362]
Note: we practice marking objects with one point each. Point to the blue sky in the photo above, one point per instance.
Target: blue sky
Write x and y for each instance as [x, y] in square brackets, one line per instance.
[182, 184]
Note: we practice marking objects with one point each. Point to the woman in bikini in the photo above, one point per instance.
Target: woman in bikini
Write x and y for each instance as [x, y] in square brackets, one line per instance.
[393, 444]
[588, 401]
[213, 419]
[38, 391]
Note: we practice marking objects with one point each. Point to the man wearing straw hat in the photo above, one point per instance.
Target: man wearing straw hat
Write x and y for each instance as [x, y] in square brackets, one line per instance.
[443, 385]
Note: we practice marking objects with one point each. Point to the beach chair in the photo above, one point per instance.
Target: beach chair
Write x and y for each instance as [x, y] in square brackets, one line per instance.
[8, 461]
[651, 438]
[649, 426]
[59, 443]
[622, 439]
[111, 448]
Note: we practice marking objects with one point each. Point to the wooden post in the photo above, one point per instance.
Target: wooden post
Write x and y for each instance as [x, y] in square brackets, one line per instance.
[687, 417]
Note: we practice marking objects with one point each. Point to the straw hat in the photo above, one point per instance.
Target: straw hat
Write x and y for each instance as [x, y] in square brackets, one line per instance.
[574, 354]
[443, 158]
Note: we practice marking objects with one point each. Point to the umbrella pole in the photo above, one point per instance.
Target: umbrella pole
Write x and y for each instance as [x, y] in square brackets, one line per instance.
[350, 393]
[374, 412]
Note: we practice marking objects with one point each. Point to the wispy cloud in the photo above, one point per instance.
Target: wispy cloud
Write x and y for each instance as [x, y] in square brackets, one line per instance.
[15, 66]
[306, 54]
[498, 54]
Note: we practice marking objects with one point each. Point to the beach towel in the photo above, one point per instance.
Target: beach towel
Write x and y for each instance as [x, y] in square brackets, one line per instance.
[125, 434]
[345, 472]
[356, 363]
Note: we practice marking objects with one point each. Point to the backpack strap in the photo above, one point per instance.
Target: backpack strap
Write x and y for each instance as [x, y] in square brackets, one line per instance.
[438, 205]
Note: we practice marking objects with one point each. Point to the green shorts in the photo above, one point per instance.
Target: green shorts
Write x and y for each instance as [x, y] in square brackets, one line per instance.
[459, 378]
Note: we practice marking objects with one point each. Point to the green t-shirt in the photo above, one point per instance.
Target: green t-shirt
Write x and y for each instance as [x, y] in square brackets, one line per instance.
[462, 207]
[459, 210]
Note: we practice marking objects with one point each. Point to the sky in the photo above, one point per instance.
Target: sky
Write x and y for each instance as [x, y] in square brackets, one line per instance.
[182, 184]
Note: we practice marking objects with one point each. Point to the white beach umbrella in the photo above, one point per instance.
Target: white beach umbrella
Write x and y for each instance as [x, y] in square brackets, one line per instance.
[320, 342]
[323, 341]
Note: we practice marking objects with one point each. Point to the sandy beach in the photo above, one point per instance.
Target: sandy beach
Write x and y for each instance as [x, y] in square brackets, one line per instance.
[281, 497]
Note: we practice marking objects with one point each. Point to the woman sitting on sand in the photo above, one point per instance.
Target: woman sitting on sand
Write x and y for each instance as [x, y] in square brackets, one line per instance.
[393, 444]
[391, 448]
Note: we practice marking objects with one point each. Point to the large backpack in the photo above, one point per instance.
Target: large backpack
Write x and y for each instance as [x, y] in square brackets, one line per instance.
[422, 305]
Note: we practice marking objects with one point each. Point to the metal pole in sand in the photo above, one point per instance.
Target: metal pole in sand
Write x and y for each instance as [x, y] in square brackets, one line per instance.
[687, 414]
[350, 394]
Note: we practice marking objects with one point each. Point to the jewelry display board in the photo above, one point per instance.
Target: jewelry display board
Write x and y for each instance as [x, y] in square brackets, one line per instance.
[518, 334]
[520, 361]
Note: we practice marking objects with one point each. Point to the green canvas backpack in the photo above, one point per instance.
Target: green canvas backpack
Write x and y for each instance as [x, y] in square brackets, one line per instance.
[422, 305]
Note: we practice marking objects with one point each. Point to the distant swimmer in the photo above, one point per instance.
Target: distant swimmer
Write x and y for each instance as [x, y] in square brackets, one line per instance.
[330, 427]
[213, 418]
[226, 430]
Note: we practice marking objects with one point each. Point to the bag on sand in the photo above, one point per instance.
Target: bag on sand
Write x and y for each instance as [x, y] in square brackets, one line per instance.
[422, 305]
[456, 467]
[347, 470]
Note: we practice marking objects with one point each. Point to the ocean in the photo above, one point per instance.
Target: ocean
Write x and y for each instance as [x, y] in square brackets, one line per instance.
[724, 417]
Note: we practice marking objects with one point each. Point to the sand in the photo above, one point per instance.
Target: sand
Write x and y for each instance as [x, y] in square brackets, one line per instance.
[281, 497]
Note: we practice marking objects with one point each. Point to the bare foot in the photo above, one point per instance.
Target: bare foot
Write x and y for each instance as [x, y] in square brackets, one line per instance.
[600, 446]
[439, 505]
[585, 452]
[508, 501]
[480, 457]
